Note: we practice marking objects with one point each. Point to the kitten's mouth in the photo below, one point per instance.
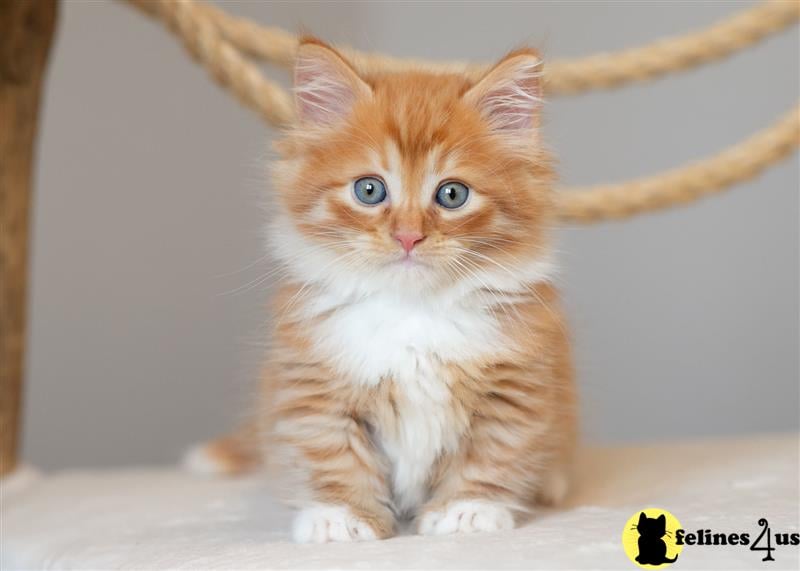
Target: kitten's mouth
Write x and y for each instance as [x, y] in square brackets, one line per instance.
[409, 261]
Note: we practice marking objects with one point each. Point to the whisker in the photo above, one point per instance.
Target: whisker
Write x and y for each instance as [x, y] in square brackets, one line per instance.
[525, 286]
[256, 282]
[239, 271]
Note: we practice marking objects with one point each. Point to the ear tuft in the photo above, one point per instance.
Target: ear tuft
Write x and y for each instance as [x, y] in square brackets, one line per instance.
[509, 96]
[326, 86]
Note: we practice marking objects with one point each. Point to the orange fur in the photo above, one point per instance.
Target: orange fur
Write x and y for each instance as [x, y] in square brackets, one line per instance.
[509, 413]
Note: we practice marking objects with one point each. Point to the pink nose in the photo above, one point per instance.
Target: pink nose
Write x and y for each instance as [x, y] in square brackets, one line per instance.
[408, 239]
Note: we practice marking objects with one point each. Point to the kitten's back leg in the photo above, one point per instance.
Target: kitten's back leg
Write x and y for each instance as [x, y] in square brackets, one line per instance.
[555, 487]
[230, 455]
[558, 482]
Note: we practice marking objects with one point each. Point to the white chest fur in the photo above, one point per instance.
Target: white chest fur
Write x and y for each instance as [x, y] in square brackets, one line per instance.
[403, 338]
[408, 342]
[422, 430]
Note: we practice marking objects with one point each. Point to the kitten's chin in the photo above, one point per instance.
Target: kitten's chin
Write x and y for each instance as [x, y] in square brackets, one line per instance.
[410, 274]
[411, 269]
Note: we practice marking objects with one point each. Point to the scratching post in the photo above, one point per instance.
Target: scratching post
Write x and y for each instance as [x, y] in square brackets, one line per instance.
[26, 31]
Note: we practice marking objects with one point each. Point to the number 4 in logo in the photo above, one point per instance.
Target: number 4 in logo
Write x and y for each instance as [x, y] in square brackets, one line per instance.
[769, 549]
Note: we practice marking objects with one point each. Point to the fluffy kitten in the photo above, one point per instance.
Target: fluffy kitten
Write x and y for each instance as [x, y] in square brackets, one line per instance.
[419, 365]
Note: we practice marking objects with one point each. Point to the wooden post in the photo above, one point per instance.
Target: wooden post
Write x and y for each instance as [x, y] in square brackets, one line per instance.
[26, 31]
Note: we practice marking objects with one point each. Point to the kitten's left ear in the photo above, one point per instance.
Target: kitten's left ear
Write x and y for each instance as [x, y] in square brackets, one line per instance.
[509, 96]
[326, 85]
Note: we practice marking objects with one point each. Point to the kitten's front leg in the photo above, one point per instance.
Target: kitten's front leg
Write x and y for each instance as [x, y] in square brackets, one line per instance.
[467, 500]
[330, 469]
[504, 466]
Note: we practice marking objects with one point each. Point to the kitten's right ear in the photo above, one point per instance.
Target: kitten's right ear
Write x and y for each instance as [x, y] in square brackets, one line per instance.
[642, 518]
[325, 85]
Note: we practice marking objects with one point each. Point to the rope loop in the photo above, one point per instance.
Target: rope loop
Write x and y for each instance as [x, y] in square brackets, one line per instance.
[224, 44]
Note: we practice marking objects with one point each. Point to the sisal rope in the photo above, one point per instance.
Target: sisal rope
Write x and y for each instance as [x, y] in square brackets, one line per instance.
[571, 76]
[225, 63]
[223, 43]
[738, 163]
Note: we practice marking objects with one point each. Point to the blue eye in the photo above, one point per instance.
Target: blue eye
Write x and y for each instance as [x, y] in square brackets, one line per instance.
[452, 194]
[370, 190]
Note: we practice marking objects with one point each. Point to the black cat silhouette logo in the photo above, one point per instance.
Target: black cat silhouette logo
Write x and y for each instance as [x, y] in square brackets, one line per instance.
[649, 538]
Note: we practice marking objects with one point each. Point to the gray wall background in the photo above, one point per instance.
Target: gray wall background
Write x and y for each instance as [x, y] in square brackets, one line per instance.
[685, 322]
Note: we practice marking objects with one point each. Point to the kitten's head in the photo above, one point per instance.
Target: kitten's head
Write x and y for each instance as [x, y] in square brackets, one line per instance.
[414, 181]
[654, 527]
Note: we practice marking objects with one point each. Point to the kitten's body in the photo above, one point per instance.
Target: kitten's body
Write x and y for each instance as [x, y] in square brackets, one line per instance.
[442, 380]
[435, 383]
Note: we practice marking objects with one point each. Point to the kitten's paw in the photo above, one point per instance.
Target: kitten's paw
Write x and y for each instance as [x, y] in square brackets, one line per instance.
[328, 523]
[466, 516]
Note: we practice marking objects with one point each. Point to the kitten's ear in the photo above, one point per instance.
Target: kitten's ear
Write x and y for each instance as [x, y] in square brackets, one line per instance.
[509, 96]
[642, 518]
[662, 518]
[325, 85]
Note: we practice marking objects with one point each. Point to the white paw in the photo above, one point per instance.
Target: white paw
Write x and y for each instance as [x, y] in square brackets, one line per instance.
[467, 516]
[325, 523]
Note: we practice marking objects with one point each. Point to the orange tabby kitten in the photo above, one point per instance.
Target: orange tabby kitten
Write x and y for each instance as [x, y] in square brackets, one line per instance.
[419, 365]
